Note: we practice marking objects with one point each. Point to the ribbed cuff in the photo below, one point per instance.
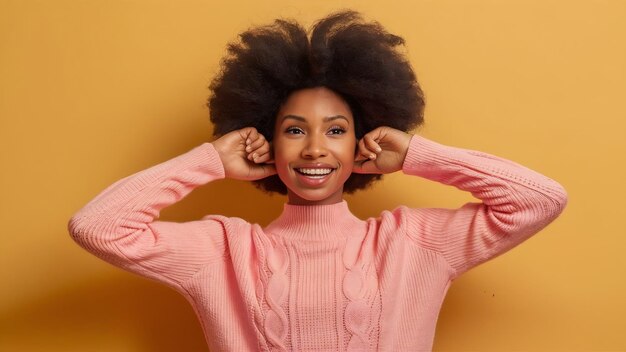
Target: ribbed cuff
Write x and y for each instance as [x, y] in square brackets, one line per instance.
[424, 155]
[208, 155]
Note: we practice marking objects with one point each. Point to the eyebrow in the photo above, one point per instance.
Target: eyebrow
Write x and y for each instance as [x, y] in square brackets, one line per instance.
[326, 119]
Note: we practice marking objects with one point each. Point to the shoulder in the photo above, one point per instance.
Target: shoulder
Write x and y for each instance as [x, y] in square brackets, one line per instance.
[421, 218]
[241, 238]
[413, 223]
[398, 215]
[229, 223]
[233, 228]
[395, 231]
[396, 219]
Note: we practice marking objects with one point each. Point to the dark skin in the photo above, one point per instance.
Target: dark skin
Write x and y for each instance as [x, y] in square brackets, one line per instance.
[313, 126]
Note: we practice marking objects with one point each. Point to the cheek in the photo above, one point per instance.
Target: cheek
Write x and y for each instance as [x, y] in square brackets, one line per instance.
[281, 160]
[350, 150]
[282, 170]
[280, 163]
[346, 154]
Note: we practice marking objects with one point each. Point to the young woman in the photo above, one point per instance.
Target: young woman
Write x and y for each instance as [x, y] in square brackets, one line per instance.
[313, 118]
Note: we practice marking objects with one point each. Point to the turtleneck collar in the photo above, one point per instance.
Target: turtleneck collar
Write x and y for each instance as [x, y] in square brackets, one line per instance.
[329, 221]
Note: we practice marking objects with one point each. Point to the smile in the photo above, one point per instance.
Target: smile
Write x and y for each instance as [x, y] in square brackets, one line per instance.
[313, 177]
[314, 172]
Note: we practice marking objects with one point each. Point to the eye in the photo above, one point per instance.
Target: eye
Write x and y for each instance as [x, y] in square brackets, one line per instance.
[294, 130]
[337, 130]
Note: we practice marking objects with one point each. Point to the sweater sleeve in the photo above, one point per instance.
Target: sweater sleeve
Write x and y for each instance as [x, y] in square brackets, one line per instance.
[119, 225]
[516, 203]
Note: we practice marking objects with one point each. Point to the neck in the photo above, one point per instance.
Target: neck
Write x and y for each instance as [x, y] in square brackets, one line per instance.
[295, 199]
[320, 221]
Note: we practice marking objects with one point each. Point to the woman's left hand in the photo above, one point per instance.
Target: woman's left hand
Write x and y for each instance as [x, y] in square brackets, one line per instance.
[381, 151]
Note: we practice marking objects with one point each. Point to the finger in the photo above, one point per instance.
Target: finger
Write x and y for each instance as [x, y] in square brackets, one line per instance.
[365, 167]
[251, 134]
[255, 155]
[378, 133]
[360, 157]
[364, 152]
[262, 158]
[357, 153]
[270, 158]
[264, 148]
[371, 144]
[255, 143]
[363, 157]
[265, 153]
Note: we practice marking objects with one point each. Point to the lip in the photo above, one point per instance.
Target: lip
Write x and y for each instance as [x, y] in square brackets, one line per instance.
[314, 166]
[314, 181]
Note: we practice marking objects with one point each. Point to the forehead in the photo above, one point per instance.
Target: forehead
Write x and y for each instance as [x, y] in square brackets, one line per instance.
[314, 104]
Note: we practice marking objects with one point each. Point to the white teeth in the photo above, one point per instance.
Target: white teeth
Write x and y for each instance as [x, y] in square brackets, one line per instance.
[315, 171]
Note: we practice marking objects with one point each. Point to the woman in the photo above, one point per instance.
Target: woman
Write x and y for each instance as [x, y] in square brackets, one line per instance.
[314, 119]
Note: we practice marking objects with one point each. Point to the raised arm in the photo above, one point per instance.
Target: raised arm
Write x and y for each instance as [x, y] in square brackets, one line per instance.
[517, 202]
[119, 225]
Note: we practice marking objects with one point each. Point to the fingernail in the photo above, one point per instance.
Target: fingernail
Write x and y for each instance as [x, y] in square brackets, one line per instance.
[372, 156]
[248, 148]
[378, 149]
[248, 141]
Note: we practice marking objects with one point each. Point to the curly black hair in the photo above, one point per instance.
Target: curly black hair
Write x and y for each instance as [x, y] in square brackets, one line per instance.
[355, 59]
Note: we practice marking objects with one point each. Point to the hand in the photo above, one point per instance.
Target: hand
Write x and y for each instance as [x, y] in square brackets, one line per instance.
[381, 151]
[245, 154]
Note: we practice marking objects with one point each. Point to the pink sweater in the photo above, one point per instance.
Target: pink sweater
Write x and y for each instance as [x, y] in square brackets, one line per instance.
[318, 278]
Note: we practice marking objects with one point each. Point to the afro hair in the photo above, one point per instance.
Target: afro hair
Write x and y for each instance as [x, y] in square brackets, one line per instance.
[355, 59]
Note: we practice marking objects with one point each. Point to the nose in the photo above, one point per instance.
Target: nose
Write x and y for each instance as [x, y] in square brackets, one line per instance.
[315, 148]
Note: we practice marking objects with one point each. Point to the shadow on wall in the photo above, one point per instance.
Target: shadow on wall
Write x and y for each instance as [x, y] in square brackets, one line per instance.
[105, 314]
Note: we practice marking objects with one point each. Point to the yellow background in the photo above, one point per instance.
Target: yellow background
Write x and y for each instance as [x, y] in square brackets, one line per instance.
[92, 91]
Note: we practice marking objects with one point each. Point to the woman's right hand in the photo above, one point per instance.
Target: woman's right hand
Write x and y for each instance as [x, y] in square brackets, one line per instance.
[245, 154]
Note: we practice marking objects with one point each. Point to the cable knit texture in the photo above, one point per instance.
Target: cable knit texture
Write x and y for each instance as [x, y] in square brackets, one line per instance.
[318, 278]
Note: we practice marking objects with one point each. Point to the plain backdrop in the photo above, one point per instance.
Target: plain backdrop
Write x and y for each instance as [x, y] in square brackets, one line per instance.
[93, 91]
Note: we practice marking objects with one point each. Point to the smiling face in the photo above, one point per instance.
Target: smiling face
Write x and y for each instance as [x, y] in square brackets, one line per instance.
[314, 146]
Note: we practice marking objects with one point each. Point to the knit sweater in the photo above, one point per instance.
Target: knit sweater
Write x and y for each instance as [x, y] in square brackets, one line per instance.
[317, 277]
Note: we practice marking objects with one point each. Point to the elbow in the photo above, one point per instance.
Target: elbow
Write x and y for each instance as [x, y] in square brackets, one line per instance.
[548, 201]
[81, 229]
[72, 225]
[537, 211]
[76, 228]
[547, 207]
[89, 234]
[559, 199]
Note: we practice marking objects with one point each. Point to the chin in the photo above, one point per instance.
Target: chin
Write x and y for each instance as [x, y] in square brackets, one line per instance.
[313, 195]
